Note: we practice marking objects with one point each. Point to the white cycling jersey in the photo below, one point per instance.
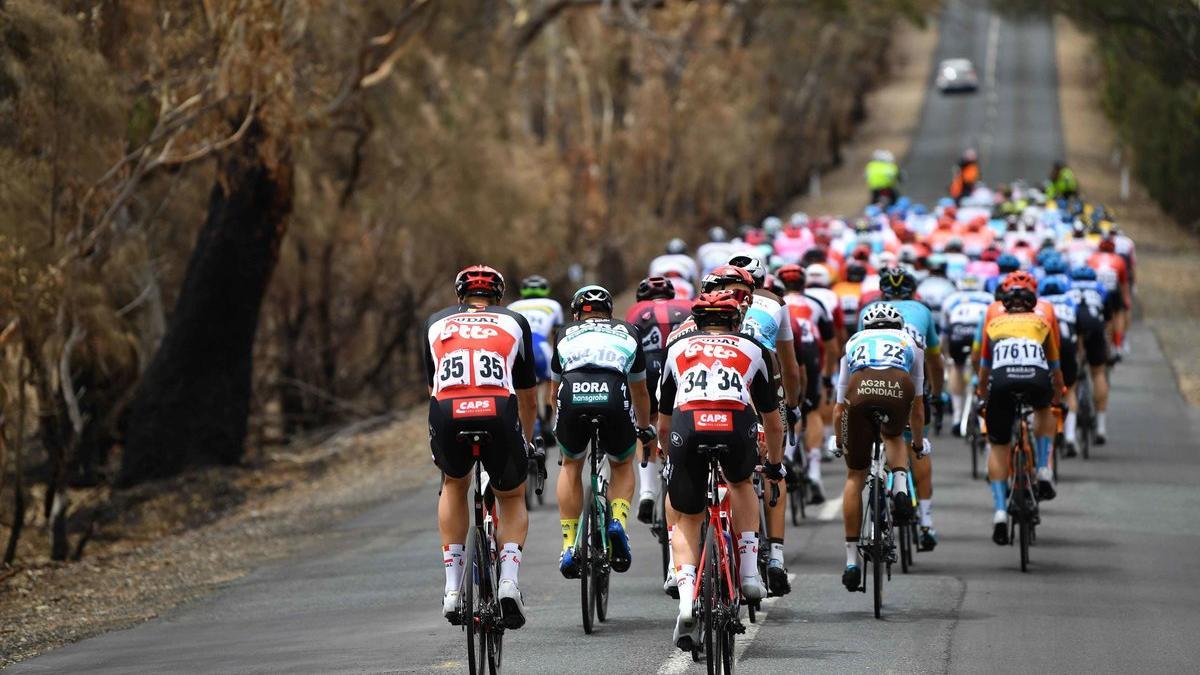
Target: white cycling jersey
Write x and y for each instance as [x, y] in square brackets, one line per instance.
[543, 314]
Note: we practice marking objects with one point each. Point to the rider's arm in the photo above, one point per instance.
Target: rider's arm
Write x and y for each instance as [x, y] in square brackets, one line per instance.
[1053, 360]
[639, 394]
[916, 417]
[525, 381]
[666, 404]
[792, 384]
[985, 366]
[839, 407]
[765, 395]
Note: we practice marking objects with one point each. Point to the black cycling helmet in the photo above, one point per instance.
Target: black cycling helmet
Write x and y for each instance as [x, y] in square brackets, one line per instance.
[535, 286]
[897, 283]
[855, 272]
[592, 299]
[655, 288]
[813, 256]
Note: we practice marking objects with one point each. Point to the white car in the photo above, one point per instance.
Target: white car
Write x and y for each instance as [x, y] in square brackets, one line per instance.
[956, 75]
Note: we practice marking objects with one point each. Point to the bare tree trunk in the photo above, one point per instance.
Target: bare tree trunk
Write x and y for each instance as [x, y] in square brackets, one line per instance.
[191, 406]
[17, 453]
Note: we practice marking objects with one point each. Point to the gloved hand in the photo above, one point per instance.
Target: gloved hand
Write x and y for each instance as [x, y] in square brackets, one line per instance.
[925, 449]
[774, 471]
[647, 434]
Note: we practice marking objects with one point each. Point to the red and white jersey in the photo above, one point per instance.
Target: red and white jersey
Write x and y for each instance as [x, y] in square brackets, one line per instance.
[722, 370]
[1110, 270]
[478, 352]
[830, 301]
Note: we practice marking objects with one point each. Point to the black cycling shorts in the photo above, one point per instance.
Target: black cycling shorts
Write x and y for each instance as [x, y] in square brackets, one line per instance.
[1113, 303]
[1095, 346]
[654, 364]
[583, 395]
[687, 480]
[1006, 383]
[809, 356]
[959, 340]
[503, 455]
[1068, 355]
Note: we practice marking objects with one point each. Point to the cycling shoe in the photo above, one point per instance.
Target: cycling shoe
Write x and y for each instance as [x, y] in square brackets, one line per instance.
[510, 604]
[852, 578]
[568, 565]
[622, 557]
[777, 579]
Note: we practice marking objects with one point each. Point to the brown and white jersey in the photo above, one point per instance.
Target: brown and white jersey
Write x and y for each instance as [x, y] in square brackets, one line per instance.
[473, 351]
[706, 370]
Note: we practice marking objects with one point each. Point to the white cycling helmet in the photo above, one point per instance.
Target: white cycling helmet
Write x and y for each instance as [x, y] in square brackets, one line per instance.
[752, 265]
[883, 315]
[970, 282]
[817, 275]
[676, 246]
[883, 156]
[799, 219]
[718, 234]
[772, 225]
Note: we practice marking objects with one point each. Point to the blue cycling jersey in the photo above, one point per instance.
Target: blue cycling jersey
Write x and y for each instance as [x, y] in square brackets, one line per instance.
[918, 321]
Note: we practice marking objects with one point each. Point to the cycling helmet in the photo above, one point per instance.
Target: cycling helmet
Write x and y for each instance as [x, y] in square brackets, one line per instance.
[725, 275]
[1044, 254]
[772, 225]
[970, 282]
[908, 254]
[855, 272]
[954, 245]
[799, 219]
[752, 265]
[936, 264]
[479, 280]
[813, 256]
[717, 308]
[1020, 279]
[1083, 273]
[897, 283]
[592, 299]
[676, 246]
[772, 284]
[881, 315]
[792, 277]
[718, 234]
[1107, 245]
[883, 156]
[817, 275]
[1008, 263]
[535, 286]
[1017, 299]
[654, 288]
[1055, 285]
[989, 255]
[1056, 265]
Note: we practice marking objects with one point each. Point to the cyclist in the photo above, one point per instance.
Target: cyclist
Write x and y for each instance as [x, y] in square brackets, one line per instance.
[479, 368]
[678, 266]
[1112, 272]
[883, 370]
[767, 320]
[1019, 354]
[1088, 291]
[714, 254]
[544, 315]
[961, 314]
[714, 381]
[1055, 289]
[883, 177]
[1007, 263]
[599, 369]
[898, 287]
[656, 314]
[849, 292]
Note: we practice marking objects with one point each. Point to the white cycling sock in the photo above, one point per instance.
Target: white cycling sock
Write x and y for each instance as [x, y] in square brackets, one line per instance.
[789, 450]
[648, 477]
[1102, 423]
[686, 576]
[453, 556]
[851, 553]
[958, 407]
[510, 561]
[925, 510]
[899, 481]
[670, 548]
[777, 552]
[1069, 427]
[748, 553]
[814, 465]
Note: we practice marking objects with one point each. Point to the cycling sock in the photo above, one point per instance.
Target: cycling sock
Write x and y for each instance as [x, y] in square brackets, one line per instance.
[510, 561]
[1102, 423]
[1069, 426]
[648, 477]
[851, 552]
[1118, 338]
[899, 481]
[925, 510]
[570, 528]
[620, 511]
[999, 494]
[814, 465]
[452, 557]
[1043, 444]
[748, 553]
[686, 576]
[777, 550]
[670, 548]
[957, 402]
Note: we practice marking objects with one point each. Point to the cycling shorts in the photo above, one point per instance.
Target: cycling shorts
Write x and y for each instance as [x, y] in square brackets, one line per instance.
[809, 356]
[542, 354]
[1095, 347]
[585, 394]
[1068, 360]
[1113, 303]
[1005, 384]
[960, 339]
[503, 455]
[887, 390]
[654, 364]
[687, 479]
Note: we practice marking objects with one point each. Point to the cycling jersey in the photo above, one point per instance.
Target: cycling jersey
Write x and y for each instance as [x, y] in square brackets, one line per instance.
[830, 301]
[849, 294]
[882, 370]
[918, 321]
[724, 371]
[804, 306]
[543, 314]
[674, 265]
[1024, 340]
[472, 351]
[879, 349]
[655, 320]
[1110, 270]
[961, 314]
[933, 291]
[599, 344]
[1091, 293]
[712, 255]
[767, 320]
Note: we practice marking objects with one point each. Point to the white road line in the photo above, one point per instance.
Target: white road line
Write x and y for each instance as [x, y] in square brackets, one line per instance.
[993, 96]
[830, 510]
[680, 662]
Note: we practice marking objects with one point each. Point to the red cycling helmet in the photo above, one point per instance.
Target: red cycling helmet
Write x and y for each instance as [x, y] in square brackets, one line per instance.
[654, 288]
[717, 307]
[989, 255]
[727, 274]
[1107, 245]
[479, 280]
[1019, 279]
[791, 276]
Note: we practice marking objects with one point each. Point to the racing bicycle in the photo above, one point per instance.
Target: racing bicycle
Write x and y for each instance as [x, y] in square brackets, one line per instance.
[719, 597]
[1023, 514]
[592, 546]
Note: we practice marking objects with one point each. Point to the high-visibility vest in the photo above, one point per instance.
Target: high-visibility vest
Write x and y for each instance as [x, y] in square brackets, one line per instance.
[881, 175]
[970, 173]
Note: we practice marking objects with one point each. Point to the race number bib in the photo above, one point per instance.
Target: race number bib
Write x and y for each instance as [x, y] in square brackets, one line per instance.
[652, 341]
[967, 312]
[915, 334]
[1109, 278]
[456, 368]
[1018, 352]
[716, 383]
[878, 354]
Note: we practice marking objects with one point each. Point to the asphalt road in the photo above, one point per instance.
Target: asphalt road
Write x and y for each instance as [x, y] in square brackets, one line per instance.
[1111, 588]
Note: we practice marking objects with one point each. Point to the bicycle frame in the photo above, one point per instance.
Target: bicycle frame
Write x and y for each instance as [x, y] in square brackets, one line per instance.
[486, 624]
[718, 525]
[596, 496]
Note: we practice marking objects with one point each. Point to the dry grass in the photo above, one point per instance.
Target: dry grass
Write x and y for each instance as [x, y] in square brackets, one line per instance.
[1168, 291]
[893, 113]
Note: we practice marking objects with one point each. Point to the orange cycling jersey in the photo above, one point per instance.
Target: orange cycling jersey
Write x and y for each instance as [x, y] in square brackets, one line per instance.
[1044, 309]
[1024, 339]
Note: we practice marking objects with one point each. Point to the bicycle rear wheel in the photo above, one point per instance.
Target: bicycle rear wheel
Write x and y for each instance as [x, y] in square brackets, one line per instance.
[476, 595]
[495, 645]
[713, 641]
[1023, 532]
[601, 574]
[587, 592]
[906, 541]
[877, 552]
